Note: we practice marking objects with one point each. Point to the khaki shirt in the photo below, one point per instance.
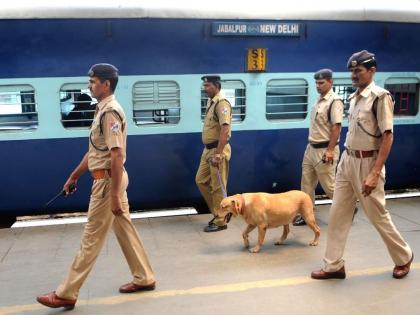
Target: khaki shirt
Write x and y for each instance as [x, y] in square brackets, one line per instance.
[114, 134]
[320, 129]
[215, 117]
[360, 112]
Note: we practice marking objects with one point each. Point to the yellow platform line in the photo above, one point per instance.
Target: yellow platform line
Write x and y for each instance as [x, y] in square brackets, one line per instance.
[212, 289]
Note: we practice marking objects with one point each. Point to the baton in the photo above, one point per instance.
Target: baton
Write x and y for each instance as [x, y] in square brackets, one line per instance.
[321, 160]
[72, 188]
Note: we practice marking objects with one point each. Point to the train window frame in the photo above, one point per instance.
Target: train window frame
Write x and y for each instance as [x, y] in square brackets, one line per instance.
[19, 90]
[238, 111]
[160, 116]
[291, 83]
[72, 89]
[343, 87]
[409, 85]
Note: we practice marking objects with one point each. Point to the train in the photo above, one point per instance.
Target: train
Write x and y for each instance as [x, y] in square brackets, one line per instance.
[266, 61]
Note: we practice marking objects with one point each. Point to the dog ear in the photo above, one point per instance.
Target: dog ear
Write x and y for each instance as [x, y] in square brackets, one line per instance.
[235, 207]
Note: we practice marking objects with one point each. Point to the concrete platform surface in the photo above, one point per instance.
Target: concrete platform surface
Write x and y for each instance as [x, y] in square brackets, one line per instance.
[211, 273]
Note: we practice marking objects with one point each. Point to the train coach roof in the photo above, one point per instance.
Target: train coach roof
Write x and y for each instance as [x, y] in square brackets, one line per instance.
[355, 10]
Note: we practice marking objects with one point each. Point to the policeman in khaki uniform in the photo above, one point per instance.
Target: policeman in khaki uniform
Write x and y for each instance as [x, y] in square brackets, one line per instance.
[322, 152]
[108, 201]
[212, 174]
[361, 172]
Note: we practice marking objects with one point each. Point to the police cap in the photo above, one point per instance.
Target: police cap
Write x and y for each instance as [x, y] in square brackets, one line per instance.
[363, 58]
[212, 78]
[103, 71]
[323, 74]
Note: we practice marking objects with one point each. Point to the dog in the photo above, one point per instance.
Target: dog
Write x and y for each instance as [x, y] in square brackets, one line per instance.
[267, 211]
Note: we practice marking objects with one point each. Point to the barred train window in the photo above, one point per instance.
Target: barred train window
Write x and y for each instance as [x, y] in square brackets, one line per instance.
[286, 99]
[406, 95]
[76, 105]
[18, 108]
[344, 91]
[235, 92]
[156, 103]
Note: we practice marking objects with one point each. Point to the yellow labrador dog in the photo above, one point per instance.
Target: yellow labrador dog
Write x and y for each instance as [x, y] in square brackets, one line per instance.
[267, 211]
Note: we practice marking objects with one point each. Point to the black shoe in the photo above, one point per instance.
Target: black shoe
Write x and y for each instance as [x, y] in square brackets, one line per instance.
[354, 213]
[215, 228]
[211, 221]
[299, 221]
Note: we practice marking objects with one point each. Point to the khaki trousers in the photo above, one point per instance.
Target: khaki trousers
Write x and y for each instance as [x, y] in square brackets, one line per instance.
[208, 182]
[313, 171]
[351, 174]
[100, 219]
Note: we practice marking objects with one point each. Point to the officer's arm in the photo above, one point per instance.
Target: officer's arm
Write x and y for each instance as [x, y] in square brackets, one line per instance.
[223, 139]
[77, 172]
[81, 168]
[117, 161]
[114, 139]
[384, 150]
[335, 135]
[336, 119]
[385, 115]
[385, 123]
[224, 114]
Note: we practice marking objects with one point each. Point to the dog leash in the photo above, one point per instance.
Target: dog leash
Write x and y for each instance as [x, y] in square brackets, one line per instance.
[219, 177]
[221, 183]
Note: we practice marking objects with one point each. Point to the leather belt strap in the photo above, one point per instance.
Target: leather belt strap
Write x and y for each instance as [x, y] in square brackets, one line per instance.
[101, 174]
[320, 145]
[211, 145]
[361, 154]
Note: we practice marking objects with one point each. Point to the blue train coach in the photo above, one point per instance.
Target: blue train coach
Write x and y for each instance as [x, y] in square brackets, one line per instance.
[266, 60]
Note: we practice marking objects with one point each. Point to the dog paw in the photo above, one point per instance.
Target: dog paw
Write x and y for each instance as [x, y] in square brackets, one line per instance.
[254, 250]
[313, 244]
[278, 243]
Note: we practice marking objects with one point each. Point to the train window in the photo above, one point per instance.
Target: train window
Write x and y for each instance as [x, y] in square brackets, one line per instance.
[77, 105]
[18, 108]
[406, 94]
[286, 99]
[344, 90]
[156, 103]
[235, 92]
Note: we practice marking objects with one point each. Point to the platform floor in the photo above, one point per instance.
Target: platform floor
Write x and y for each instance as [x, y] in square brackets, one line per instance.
[200, 273]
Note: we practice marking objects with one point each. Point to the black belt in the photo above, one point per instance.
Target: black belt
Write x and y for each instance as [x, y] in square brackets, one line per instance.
[212, 145]
[320, 145]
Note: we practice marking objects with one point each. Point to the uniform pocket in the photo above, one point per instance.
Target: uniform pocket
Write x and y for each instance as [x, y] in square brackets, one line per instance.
[366, 118]
[321, 117]
[100, 188]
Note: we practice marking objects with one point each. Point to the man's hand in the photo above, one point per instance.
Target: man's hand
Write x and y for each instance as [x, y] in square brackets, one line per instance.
[216, 160]
[116, 206]
[370, 183]
[328, 156]
[70, 181]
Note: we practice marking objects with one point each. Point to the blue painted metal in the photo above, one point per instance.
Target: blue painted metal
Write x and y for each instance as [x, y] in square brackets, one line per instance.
[43, 48]
[162, 168]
